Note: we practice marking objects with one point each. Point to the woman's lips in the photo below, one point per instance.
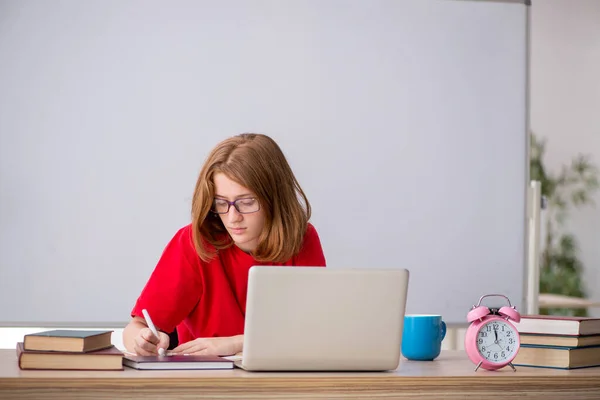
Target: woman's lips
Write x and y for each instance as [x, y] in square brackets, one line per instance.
[237, 231]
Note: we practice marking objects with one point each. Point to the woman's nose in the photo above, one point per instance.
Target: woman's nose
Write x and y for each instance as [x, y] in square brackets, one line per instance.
[233, 214]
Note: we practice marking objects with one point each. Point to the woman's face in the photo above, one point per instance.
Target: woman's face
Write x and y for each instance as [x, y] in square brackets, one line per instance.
[244, 227]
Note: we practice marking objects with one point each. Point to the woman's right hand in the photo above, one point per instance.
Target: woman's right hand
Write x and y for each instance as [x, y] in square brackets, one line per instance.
[147, 344]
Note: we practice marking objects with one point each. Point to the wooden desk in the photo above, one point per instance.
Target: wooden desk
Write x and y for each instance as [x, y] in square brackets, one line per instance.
[451, 376]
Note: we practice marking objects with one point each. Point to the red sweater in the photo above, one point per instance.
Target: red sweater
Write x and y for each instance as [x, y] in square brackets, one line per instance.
[207, 299]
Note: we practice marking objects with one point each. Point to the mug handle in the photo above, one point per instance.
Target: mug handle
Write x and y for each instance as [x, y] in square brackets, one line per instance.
[443, 330]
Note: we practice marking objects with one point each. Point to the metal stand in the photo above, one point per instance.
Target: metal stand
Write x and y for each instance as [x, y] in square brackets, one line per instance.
[480, 362]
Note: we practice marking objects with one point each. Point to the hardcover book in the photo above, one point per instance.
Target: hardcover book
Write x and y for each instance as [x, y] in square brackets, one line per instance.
[105, 359]
[557, 357]
[68, 340]
[558, 325]
[560, 340]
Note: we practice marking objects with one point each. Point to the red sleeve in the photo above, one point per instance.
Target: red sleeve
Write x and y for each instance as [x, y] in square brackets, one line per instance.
[311, 254]
[175, 285]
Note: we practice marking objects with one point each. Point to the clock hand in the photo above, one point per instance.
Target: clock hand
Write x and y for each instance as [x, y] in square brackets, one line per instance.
[499, 345]
[496, 333]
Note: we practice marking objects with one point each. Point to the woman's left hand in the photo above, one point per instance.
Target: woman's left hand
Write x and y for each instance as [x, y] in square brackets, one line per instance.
[216, 346]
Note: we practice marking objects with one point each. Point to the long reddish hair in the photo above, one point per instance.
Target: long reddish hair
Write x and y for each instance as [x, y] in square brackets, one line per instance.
[255, 161]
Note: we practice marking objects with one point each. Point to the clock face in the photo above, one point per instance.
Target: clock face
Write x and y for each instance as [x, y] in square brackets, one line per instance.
[497, 341]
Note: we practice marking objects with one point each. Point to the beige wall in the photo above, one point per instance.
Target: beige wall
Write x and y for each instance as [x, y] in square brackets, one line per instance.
[565, 102]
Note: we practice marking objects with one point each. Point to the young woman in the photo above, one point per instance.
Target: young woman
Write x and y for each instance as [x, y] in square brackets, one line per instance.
[248, 209]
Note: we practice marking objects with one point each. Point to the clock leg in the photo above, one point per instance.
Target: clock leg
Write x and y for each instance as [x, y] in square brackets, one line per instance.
[478, 365]
[513, 367]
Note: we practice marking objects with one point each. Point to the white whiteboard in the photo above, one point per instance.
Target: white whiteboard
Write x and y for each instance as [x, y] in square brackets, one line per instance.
[405, 122]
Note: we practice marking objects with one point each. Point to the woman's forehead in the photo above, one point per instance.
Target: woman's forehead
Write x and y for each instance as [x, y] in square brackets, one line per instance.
[228, 188]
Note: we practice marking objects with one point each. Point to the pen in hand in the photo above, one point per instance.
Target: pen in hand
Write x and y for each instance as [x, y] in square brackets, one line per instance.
[161, 351]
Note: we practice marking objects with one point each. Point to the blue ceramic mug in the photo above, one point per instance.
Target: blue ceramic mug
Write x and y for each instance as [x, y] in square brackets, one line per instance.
[422, 336]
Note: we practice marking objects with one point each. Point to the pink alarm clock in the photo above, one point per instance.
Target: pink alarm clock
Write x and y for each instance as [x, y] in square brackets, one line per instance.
[491, 341]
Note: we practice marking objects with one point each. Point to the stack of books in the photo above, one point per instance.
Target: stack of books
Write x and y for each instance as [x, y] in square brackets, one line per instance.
[551, 341]
[66, 349]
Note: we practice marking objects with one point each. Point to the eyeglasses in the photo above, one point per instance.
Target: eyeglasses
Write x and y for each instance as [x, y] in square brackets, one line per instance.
[243, 206]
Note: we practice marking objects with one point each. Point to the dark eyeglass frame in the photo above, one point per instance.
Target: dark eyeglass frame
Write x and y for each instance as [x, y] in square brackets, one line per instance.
[235, 204]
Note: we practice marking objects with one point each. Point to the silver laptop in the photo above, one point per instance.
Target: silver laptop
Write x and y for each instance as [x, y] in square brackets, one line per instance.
[324, 319]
